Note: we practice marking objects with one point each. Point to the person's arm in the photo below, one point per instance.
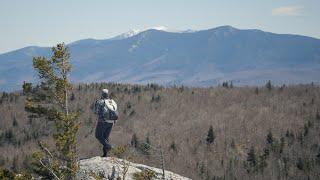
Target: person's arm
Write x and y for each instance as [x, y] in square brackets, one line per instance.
[116, 109]
[95, 110]
[96, 107]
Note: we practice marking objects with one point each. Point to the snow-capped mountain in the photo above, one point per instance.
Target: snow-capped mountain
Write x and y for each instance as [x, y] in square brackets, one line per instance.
[134, 32]
[201, 58]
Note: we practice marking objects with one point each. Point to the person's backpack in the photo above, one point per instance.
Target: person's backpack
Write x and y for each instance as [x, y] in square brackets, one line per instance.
[110, 110]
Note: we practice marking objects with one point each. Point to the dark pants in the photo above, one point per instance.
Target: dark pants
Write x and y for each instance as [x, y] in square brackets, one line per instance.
[103, 131]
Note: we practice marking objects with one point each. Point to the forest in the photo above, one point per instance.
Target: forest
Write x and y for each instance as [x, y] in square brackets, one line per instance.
[223, 132]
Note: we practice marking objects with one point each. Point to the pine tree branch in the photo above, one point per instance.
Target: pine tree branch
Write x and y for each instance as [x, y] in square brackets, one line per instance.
[51, 171]
[45, 149]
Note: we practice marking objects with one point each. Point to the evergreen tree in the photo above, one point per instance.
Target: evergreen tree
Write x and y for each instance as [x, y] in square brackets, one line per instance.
[146, 146]
[262, 162]
[282, 144]
[318, 157]
[73, 97]
[290, 136]
[270, 138]
[225, 84]
[233, 144]
[2, 161]
[26, 87]
[9, 136]
[254, 161]
[317, 115]
[231, 84]
[50, 100]
[14, 166]
[252, 157]
[14, 122]
[300, 164]
[211, 136]
[268, 85]
[173, 147]
[134, 141]
[6, 174]
[306, 130]
[274, 144]
[256, 91]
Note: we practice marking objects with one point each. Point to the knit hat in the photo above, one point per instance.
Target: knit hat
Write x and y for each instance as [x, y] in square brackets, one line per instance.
[105, 91]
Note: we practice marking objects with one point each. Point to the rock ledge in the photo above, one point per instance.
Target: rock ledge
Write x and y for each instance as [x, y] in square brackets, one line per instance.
[111, 168]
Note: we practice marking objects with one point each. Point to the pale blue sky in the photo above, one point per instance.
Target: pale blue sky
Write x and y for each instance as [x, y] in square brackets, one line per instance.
[47, 22]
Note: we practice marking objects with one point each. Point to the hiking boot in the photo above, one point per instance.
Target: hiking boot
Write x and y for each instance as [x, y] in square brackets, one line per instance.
[105, 153]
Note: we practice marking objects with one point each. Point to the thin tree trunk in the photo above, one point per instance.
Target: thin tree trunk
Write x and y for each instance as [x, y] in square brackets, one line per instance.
[65, 87]
[162, 163]
[66, 99]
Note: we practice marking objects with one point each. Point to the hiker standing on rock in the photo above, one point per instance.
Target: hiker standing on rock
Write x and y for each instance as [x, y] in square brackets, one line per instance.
[106, 109]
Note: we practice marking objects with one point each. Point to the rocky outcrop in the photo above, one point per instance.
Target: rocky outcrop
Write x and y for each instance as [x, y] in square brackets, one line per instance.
[113, 168]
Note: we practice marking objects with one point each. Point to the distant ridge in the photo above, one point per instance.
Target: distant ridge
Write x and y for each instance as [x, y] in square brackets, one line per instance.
[199, 58]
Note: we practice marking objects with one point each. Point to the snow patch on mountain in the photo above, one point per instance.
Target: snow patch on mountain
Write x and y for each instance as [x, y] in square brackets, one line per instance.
[160, 28]
[187, 31]
[128, 34]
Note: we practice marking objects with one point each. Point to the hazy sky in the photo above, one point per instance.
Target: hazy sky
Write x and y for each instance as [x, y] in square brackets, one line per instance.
[47, 22]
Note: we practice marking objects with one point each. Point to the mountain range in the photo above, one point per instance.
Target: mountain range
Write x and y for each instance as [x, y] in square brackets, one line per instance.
[191, 58]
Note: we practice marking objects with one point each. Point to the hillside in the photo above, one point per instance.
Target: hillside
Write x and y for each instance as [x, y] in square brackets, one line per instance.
[257, 133]
[201, 58]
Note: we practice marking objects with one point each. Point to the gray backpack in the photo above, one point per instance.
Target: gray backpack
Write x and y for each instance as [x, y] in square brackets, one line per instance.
[109, 111]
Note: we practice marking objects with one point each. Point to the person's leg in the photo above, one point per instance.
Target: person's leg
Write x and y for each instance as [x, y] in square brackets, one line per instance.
[100, 131]
[106, 135]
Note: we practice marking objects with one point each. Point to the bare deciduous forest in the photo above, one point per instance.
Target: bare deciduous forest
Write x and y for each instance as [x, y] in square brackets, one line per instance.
[223, 132]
